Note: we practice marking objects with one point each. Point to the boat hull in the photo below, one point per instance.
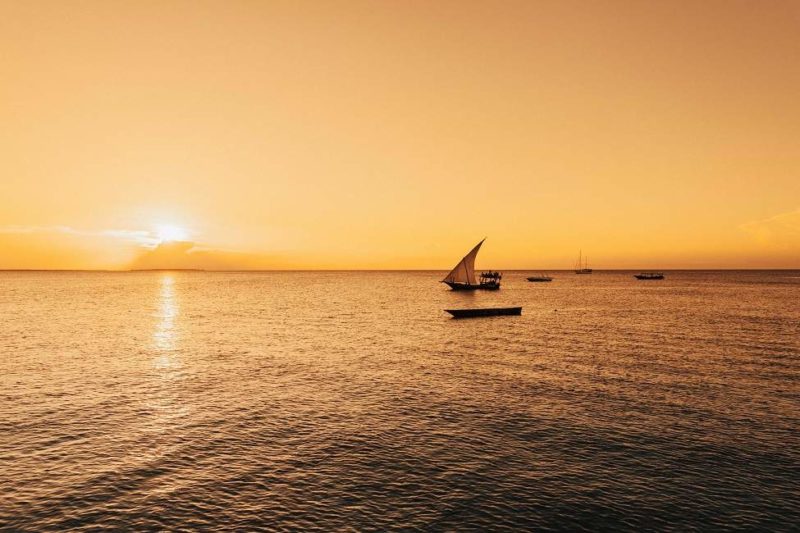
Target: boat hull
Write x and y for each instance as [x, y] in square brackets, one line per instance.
[486, 311]
[584, 271]
[648, 278]
[472, 287]
[539, 280]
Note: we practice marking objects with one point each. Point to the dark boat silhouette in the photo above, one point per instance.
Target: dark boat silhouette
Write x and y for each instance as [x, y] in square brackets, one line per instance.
[541, 278]
[649, 275]
[485, 311]
[462, 277]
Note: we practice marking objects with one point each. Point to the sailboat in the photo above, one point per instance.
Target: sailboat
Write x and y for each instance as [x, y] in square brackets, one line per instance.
[462, 277]
[581, 267]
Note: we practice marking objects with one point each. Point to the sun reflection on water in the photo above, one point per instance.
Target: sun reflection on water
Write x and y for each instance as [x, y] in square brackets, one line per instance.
[162, 399]
[165, 335]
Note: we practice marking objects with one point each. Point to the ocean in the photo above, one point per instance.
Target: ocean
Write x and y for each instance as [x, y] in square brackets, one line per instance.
[350, 401]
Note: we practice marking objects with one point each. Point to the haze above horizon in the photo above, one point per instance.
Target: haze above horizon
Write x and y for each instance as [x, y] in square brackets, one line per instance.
[395, 135]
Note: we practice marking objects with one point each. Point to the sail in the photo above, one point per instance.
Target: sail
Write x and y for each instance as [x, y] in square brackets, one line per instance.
[464, 272]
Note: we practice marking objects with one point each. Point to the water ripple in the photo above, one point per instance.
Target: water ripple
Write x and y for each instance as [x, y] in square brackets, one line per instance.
[348, 401]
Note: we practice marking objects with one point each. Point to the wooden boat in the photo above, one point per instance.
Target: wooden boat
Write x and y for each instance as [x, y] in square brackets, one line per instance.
[649, 275]
[485, 311]
[462, 277]
[540, 278]
[582, 267]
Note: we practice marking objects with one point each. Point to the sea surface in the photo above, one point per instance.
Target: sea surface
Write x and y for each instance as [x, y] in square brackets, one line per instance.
[351, 401]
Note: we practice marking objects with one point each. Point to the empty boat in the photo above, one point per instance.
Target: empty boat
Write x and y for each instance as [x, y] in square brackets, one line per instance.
[484, 311]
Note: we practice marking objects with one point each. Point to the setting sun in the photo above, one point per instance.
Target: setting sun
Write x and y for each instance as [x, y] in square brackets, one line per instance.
[169, 233]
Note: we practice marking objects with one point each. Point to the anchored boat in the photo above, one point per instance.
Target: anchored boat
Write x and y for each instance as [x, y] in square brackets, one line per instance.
[486, 311]
[649, 275]
[540, 278]
[582, 267]
[462, 277]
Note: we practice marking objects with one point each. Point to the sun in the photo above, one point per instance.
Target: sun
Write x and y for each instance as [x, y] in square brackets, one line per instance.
[167, 233]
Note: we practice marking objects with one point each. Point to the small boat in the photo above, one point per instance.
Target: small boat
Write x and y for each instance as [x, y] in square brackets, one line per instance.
[649, 275]
[485, 311]
[462, 277]
[582, 267]
[540, 278]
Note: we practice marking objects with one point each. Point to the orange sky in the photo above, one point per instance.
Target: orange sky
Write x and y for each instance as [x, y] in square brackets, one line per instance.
[396, 134]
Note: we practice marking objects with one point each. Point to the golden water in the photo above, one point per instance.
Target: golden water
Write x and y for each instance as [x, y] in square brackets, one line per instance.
[340, 400]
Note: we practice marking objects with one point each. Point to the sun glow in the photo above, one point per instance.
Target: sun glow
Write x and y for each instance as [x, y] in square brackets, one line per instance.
[169, 233]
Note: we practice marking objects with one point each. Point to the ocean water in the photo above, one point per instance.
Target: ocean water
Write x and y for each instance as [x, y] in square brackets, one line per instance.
[351, 401]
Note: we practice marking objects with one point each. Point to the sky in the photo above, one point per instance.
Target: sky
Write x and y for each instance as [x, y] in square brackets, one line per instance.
[397, 134]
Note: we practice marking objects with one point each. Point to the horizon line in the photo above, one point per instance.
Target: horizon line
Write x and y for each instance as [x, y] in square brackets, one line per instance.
[133, 271]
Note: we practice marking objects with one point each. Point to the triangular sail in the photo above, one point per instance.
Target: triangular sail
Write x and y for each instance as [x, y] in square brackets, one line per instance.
[464, 272]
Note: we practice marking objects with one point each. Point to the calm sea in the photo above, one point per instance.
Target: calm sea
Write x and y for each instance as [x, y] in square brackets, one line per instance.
[350, 400]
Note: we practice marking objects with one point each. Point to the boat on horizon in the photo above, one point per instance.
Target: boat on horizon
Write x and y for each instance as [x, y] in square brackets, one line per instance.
[540, 278]
[484, 311]
[649, 275]
[462, 277]
[582, 266]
